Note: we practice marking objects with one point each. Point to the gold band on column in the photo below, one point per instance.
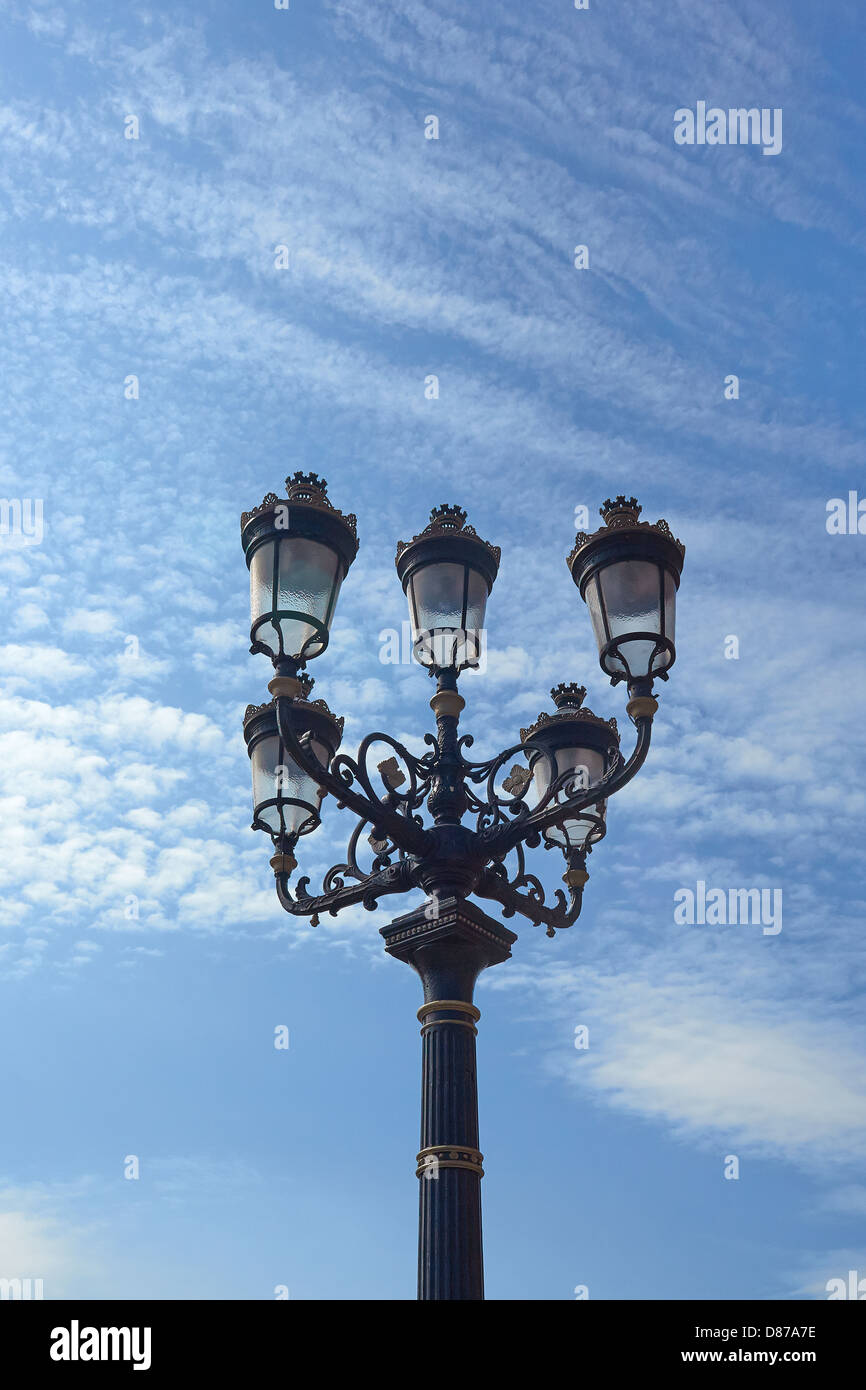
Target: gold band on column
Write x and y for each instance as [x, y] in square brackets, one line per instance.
[447, 702]
[449, 1156]
[454, 1005]
[642, 706]
[289, 686]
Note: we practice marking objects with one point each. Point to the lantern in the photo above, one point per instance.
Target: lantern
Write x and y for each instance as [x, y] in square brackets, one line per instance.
[298, 550]
[286, 800]
[576, 741]
[628, 573]
[447, 573]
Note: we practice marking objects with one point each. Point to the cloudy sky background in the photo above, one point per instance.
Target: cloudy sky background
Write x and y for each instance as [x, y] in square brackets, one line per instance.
[124, 774]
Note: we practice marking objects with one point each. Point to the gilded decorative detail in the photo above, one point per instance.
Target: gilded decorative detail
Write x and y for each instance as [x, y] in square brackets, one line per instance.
[517, 780]
[391, 773]
[448, 1156]
[252, 710]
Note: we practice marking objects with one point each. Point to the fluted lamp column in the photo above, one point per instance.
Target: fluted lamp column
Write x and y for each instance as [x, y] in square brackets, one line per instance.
[449, 942]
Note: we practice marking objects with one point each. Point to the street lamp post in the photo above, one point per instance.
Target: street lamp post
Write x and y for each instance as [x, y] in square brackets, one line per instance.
[299, 550]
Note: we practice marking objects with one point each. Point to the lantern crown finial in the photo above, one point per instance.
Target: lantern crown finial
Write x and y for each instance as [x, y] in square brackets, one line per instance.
[450, 520]
[620, 511]
[568, 693]
[307, 487]
[568, 699]
[448, 516]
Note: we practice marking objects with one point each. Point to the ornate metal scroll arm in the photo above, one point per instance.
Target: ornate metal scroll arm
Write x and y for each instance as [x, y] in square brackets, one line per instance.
[493, 885]
[394, 878]
[338, 873]
[366, 887]
[406, 833]
[498, 840]
[393, 777]
[495, 809]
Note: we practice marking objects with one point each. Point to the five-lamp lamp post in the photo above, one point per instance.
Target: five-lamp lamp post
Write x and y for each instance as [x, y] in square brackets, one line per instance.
[299, 549]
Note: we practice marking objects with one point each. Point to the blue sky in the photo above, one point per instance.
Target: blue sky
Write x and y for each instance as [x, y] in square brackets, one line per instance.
[126, 775]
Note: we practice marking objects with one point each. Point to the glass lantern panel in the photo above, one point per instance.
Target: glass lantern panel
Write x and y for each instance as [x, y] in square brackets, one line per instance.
[308, 583]
[439, 649]
[476, 602]
[589, 761]
[593, 603]
[265, 758]
[436, 608]
[632, 596]
[638, 654]
[439, 596]
[662, 660]
[276, 775]
[670, 606]
[261, 581]
[261, 595]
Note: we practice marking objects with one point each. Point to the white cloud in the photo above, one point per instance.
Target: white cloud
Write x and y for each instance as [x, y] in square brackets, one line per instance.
[758, 1074]
[37, 1243]
[94, 621]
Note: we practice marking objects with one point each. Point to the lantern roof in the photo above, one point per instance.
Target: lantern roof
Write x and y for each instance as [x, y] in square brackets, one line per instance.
[302, 489]
[301, 704]
[306, 510]
[448, 539]
[569, 698]
[624, 536]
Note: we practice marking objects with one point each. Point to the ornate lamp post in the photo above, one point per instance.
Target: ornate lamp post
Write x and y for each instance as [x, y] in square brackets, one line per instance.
[299, 550]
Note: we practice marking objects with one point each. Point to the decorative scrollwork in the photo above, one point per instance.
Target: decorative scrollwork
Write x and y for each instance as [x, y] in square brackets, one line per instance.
[403, 850]
[390, 814]
[562, 913]
[392, 879]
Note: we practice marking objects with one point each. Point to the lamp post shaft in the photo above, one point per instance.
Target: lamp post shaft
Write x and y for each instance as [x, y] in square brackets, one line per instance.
[450, 1260]
[448, 943]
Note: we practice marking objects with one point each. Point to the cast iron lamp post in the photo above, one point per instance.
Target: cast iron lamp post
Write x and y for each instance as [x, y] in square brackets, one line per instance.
[299, 550]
